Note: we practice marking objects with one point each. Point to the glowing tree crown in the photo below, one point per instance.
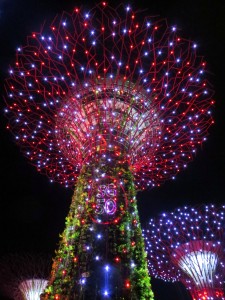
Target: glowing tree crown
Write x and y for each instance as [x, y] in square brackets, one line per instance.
[187, 245]
[109, 80]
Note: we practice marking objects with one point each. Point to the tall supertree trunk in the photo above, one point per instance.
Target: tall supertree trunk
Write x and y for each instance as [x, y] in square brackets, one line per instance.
[101, 253]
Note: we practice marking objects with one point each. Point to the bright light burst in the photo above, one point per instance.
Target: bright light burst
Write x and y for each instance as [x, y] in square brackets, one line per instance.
[31, 289]
[200, 265]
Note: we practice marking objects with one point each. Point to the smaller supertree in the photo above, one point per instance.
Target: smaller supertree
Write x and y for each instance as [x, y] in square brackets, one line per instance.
[31, 289]
[187, 245]
[24, 277]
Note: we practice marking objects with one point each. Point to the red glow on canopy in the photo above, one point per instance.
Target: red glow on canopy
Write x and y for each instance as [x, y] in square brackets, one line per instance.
[139, 85]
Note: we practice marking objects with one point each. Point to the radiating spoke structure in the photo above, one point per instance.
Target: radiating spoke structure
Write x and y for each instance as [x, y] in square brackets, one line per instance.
[188, 246]
[31, 289]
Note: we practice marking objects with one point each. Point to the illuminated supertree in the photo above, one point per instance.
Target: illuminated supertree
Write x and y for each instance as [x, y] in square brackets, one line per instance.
[24, 277]
[187, 245]
[114, 101]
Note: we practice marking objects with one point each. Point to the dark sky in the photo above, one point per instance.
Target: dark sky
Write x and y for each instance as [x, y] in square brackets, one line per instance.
[32, 210]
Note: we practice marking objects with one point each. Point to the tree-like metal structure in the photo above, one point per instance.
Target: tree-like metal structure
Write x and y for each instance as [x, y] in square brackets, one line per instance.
[31, 289]
[114, 101]
[24, 277]
[187, 245]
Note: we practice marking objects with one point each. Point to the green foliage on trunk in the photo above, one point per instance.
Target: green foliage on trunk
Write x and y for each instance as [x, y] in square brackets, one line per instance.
[122, 245]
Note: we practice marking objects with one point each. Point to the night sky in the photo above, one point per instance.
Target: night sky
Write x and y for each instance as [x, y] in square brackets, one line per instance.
[32, 210]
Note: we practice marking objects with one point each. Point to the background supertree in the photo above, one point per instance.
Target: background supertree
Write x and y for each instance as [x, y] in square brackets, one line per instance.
[112, 99]
[24, 276]
[187, 245]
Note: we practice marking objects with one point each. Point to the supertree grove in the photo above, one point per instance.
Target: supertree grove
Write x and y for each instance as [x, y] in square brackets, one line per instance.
[24, 277]
[110, 101]
[187, 245]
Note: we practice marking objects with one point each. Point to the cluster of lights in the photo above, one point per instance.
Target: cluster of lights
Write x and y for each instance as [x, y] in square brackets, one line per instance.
[95, 81]
[188, 246]
[103, 200]
[106, 271]
[106, 199]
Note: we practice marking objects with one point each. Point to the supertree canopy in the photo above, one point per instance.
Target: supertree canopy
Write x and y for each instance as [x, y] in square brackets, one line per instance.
[187, 245]
[114, 101]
